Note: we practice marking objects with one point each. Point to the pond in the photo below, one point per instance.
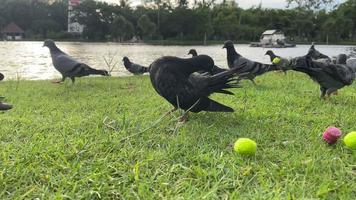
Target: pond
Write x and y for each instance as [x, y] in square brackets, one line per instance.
[31, 61]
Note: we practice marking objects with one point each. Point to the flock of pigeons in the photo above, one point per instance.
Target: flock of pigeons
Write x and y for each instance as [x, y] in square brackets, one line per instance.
[188, 83]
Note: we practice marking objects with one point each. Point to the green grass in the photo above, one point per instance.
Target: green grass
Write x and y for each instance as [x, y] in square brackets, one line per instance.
[88, 141]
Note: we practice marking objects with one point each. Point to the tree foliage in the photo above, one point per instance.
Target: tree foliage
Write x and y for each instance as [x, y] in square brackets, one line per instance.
[310, 3]
[175, 20]
[146, 26]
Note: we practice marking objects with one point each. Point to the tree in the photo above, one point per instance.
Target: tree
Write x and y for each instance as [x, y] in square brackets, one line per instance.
[226, 22]
[146, 25]
[310, 3]
[121, 29]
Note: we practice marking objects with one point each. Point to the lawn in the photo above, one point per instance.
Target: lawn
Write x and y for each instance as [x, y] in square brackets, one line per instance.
[105, 138]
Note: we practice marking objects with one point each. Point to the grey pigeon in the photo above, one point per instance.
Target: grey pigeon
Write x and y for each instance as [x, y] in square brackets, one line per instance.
[252, 68]
[316, 55]
[136, 69]
[341, 59]
[68, 66]
[4, 106]
[351, 62]
[329, 76]
[174, 79]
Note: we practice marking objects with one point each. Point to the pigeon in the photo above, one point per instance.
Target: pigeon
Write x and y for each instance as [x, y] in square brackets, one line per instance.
[174, 79]
[316, 55]
[193, 52]
[215, 70]
[351, 62]
[68, 66]
[283, 63]
[251, 69]
[135, 69]
[329, 76]
[5, 106]
[2, 76]
[341, 59]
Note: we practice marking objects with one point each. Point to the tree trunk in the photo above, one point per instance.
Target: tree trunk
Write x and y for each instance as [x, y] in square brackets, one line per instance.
[205, 38]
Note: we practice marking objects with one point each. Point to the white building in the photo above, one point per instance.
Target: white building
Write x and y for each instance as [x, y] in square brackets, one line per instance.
[271, 37]
[73, 26]
[13, 32]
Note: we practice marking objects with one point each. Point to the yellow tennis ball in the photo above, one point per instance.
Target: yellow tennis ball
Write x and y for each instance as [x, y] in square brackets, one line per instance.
[350, 140]
[245, 146]
[276, 60]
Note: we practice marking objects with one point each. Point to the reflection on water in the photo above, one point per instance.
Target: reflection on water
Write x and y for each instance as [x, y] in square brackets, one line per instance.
[29, 60]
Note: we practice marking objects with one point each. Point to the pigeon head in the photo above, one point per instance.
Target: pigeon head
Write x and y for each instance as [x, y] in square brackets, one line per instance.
[193, 52]
[315, 54]
[341, 59]
[270, 53]
[49, 43]
[228, 44]
[125, 59]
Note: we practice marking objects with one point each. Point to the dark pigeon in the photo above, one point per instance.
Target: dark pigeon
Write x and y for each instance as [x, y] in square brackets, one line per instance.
[68, 66]
[215, 70]
[282, 63]
[252, 68]
[329, 76]
[135, 69]
[174, 79]
[2, 76]
[193, 52]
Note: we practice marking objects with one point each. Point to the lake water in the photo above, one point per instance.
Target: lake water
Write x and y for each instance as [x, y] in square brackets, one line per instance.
[31, 61]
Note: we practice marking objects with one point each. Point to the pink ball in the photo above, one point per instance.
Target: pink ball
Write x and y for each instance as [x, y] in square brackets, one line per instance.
[331, 135]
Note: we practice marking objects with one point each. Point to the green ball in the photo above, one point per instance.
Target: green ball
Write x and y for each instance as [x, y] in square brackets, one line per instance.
[276, 61]
[245, 147]
[350, 140]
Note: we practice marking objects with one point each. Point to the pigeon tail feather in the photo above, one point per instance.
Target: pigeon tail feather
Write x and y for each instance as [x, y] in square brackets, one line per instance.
[217, 107]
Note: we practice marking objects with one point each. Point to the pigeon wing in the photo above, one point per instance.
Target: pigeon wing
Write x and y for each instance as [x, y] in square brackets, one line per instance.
[340, 72]
[64, 63]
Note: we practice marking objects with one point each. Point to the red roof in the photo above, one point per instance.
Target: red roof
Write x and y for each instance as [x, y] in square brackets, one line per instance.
[12, 28]
[74, 2]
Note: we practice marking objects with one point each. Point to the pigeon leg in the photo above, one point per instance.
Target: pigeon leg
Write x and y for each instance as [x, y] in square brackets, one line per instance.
[323, 92]
[331, 91]
[184, 118]
[73, 79]
[170, 112]
[253, 81]
[60, 81]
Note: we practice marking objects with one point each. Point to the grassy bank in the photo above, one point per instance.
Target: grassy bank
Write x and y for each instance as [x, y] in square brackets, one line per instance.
[88, 141]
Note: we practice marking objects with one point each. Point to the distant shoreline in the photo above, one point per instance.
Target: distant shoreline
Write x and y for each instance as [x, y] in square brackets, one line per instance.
[179, 43]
